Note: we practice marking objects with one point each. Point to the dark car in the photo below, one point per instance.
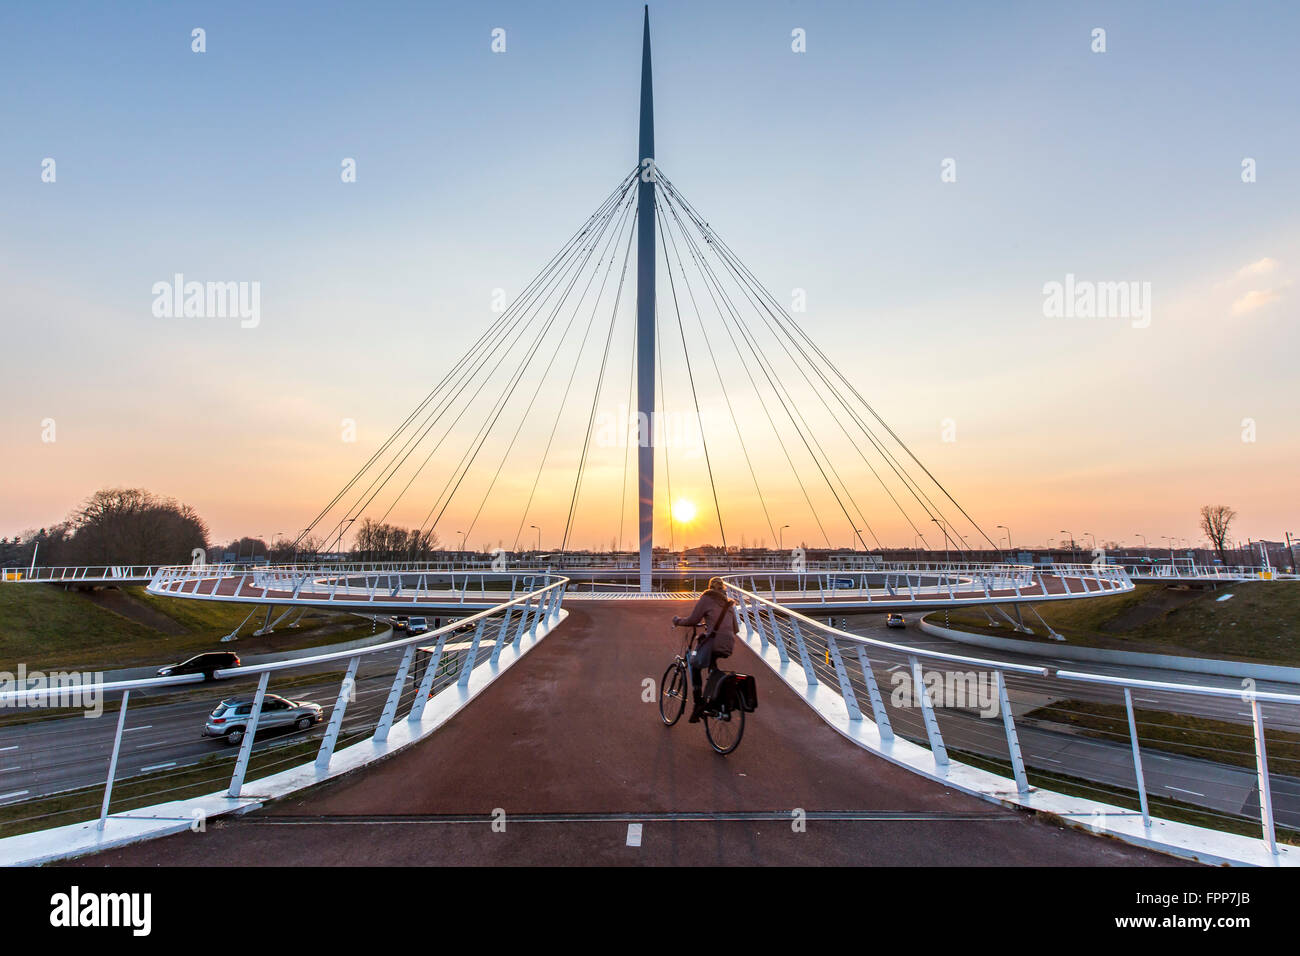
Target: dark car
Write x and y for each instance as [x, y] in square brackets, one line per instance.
[203, 664]
[399, 622]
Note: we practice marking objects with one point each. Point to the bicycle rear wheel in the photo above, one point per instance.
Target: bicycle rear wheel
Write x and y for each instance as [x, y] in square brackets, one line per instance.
[724, 729]
[672, 694]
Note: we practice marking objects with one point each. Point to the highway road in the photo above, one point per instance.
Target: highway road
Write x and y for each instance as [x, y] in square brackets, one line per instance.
[163, 732]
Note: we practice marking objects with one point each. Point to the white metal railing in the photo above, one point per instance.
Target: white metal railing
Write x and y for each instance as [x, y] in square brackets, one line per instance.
[1184, 570]
[847, 663]
[454, 650]
[81, 573]
[392, 588]
[577, 563]
[939, 585]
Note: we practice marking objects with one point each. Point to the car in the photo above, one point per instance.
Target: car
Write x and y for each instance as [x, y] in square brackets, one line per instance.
[230, 717]
[203, 664]
[417, 625]
[895, 620]
[399, 622]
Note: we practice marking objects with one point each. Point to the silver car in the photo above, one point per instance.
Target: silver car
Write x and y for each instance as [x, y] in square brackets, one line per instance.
[229, 718]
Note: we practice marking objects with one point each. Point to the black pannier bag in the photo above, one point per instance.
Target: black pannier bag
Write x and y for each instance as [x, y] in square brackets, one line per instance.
[745, 690]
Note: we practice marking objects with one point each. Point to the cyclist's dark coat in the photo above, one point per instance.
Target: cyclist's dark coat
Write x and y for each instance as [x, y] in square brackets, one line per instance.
[707, 610]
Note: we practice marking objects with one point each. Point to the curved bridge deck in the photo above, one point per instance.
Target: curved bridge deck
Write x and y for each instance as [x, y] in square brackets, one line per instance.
[565, 745]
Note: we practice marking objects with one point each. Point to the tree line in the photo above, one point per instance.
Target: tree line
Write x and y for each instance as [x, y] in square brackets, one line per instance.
[113, 526]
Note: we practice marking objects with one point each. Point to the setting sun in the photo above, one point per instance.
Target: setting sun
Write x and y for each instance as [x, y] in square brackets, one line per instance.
[683, 511]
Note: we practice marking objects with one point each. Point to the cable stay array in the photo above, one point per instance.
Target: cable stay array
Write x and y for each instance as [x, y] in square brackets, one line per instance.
[756, 430]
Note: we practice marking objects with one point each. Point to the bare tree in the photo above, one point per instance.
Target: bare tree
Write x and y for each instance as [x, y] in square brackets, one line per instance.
[1215, 521]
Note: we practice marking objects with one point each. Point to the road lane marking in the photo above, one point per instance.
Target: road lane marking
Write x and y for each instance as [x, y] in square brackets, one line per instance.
[143, 727]
[8, 769]
[1181, 790]
[160, 766]
[16, 793]
[634, 834]
[3, 749]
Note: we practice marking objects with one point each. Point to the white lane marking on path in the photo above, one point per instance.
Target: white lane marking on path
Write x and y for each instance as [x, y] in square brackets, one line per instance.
[141, 727]
[3, 749]
[8, 769]
[16, 793]
[1181, 790]
[159, 766]
[634, 834]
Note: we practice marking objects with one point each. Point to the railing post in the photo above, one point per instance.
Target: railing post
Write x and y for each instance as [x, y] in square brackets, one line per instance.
[467, 665]
[501, 633]
[846, 686]
[754, 621]
[1137, 757]
[559, 602]
[426, 684]
[347, 690]
[1265, 790]
[250, 731]
[809, 673]
[394, 695]
[112, 762]
[873, 694]
[777, 639]
[919, 689]
[539, 608]
[523, 620]
[1013, 740]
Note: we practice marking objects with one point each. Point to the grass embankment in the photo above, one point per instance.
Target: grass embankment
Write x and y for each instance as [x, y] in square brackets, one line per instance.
[47, 627]
[1261, 622]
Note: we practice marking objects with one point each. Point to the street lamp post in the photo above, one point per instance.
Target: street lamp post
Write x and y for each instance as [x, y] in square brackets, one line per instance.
[338, 545]
[539, 538]
[780, 537]
[947, 559]
[1074, 551]
[1010, 546]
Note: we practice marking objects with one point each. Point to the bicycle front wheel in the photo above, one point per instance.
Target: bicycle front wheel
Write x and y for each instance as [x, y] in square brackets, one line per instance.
[724, 729]
[672, 694]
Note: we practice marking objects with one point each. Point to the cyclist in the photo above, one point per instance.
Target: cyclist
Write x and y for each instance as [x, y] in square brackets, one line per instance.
[715, 608]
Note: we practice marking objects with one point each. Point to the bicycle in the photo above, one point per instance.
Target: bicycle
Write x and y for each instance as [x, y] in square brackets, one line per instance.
[724, 718]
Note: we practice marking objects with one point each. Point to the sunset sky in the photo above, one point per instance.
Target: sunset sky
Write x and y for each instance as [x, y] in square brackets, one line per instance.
[821, 169]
